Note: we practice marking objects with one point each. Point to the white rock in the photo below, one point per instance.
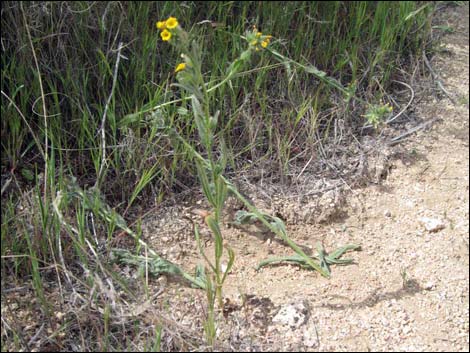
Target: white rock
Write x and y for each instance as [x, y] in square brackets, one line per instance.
[429, 285]
[310, 338]
[293, 315]
[432, 224]
[406, 330]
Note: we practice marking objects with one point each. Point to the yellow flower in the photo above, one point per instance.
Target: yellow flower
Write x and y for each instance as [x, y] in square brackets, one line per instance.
[259, 34]
[254, 42]
[171, 23]
[180, 67]
[166, 35]
[161, 24]
[264, 43]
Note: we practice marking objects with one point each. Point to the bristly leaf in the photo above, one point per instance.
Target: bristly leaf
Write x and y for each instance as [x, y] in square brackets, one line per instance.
[206, 188]
[231, 260]
[201, 123]
[214, 227]
[220, 194]
[325, 259]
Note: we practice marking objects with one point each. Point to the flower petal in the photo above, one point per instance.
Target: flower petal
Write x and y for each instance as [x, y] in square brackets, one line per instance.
[171, 22]
[166, 35]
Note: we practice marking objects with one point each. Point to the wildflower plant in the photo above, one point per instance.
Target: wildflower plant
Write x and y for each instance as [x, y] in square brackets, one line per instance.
[376, 112]
[257, 40]
[210, 165]
[190, 79]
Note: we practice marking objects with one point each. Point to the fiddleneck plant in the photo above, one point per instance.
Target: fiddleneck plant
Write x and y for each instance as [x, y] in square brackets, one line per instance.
[210, 166]
[210, 169]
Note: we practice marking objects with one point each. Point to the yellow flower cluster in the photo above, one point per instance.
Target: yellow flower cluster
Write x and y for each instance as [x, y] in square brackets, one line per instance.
[165, 26]
[257, 39]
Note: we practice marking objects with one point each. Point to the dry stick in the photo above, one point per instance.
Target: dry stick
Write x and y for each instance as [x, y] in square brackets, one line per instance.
[36, 335]
[407, 105]
[437, 78]
[397, 139]
[103, 119]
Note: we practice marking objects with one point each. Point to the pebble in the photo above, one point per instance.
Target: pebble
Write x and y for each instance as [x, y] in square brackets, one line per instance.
[407, 330]
[310, 338]
[293, 315]
[432, 224]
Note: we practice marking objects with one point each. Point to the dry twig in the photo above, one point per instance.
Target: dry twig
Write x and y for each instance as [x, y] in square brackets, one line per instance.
[437, 78]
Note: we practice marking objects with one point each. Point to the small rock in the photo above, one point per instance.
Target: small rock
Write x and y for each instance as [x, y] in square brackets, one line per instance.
[387, 213]
[293, 315]
[410, 203]
[429, 285]
[310, 338]
[406, 330]
[162, 281]
[432, 224]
